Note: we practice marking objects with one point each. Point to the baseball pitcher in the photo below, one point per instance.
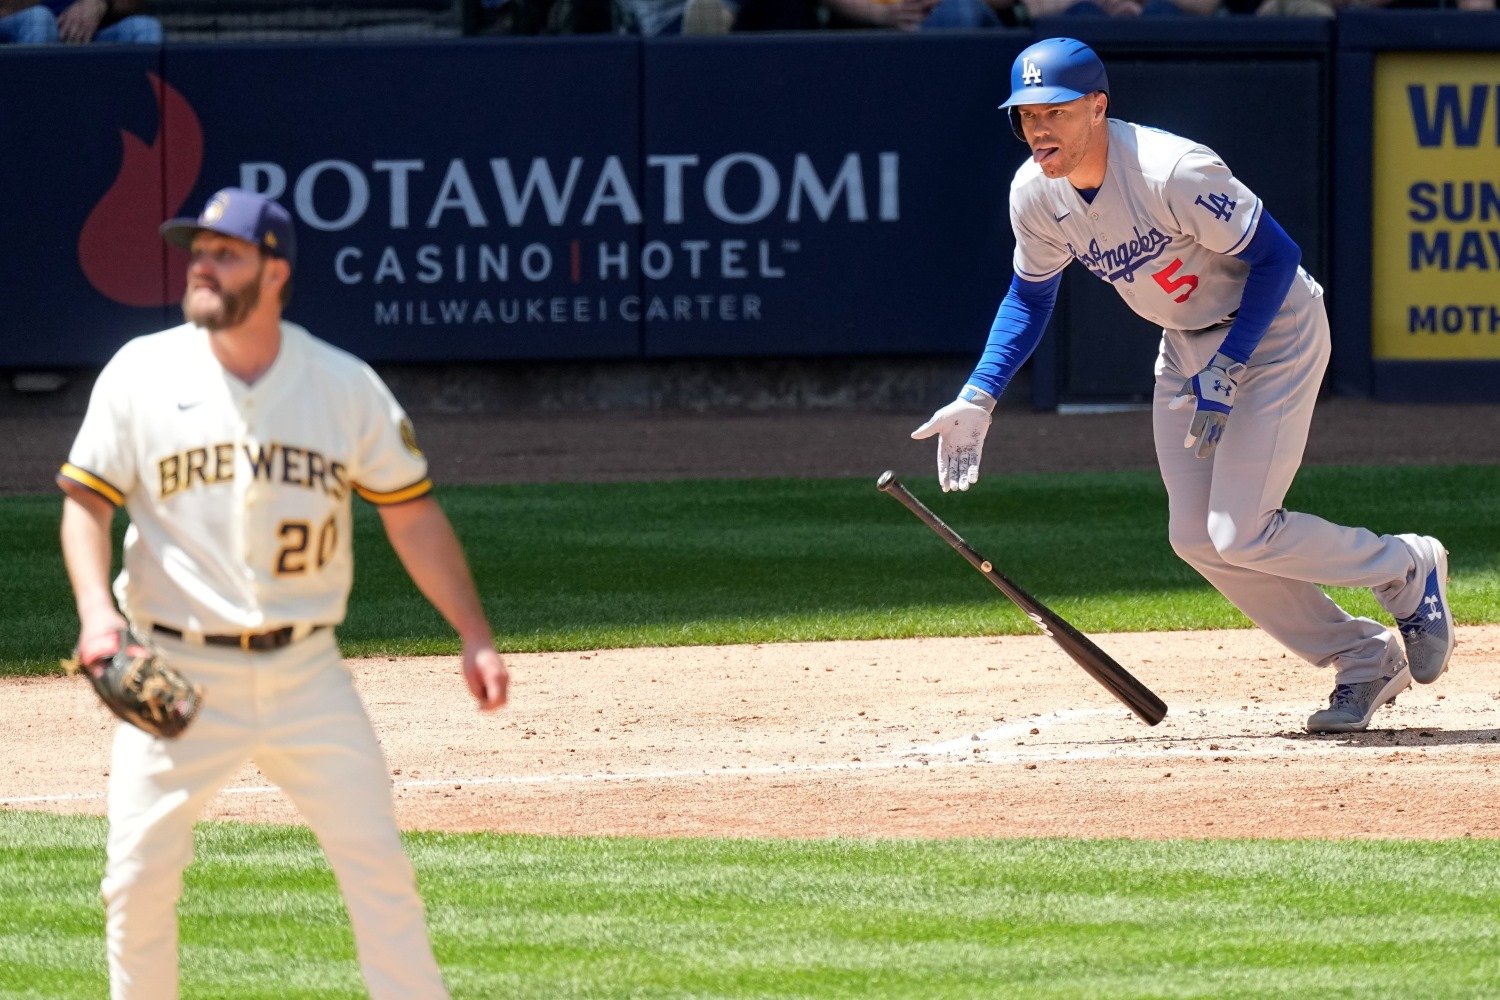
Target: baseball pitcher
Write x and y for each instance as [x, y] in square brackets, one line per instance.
[235, 443]
[1244, 345]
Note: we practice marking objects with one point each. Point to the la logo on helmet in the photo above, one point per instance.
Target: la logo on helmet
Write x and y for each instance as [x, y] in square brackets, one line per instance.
[1031, 76]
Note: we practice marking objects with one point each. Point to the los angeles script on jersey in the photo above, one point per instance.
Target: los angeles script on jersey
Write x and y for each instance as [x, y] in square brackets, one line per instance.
[274, 463]
[1121, 262]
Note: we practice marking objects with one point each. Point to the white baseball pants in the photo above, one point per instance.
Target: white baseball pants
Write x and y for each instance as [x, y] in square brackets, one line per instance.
[294, 712]
[1226, 517]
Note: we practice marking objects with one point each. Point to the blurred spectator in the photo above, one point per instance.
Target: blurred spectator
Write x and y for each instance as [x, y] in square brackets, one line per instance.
[914, 15]
[1124, 8]
[706, 16]
[83, 21]
[1329, 8]
[683, 17]
[77, 22]
[22, 22]
[556, 17]
[658, 17]
[777, 15]
[1281, 8]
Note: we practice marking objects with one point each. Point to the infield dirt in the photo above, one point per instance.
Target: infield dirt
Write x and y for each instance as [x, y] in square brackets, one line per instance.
[928, 737]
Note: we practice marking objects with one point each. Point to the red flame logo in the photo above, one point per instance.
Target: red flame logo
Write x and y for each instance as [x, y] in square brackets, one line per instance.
[120, 249]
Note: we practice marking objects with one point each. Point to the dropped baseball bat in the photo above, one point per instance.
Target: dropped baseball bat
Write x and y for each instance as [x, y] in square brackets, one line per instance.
[1100, 665]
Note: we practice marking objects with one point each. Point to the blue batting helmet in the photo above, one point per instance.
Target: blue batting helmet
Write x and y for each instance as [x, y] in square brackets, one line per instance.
[1053, 71]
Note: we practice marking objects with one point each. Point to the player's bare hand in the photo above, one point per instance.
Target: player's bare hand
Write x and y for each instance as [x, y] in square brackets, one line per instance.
[99, 636]
[489, 681]
[1213, 389]
[960, 427]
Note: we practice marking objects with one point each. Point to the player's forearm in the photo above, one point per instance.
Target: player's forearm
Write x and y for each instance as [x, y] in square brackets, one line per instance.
[87, 552]
[1273, 258]
[423, 539]
[1018, 327]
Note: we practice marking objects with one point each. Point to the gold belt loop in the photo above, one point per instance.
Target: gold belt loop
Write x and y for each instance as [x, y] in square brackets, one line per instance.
[245, 638]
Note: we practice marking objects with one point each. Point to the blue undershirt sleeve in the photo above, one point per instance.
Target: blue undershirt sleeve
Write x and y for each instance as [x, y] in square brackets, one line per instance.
[1017, 329]
[1273, 257]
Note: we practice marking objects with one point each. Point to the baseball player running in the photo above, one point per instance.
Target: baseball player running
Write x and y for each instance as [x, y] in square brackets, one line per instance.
[1244, 333]
[235, 442]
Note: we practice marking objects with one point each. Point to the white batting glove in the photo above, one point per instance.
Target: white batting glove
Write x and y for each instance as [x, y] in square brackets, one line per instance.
[961, 427]
[1213, 388]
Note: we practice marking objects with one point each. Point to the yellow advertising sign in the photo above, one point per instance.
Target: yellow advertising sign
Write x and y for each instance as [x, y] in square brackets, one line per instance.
[1435, 256]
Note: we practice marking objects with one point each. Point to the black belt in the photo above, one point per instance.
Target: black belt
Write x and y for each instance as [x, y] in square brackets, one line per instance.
[258, 642]
[1212, 326]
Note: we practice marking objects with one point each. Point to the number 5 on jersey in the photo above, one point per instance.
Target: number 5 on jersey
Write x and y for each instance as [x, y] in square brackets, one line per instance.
[1169, 283]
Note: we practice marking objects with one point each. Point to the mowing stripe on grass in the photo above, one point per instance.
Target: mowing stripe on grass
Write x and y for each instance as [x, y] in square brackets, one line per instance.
[628, 918]
[715, 562]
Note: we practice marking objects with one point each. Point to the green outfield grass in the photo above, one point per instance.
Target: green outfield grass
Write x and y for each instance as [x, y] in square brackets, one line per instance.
[557, 918]
[595, 566]
[566, 567]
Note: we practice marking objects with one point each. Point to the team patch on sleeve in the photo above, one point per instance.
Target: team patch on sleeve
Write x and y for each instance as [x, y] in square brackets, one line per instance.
[418, 489]
[409, 437]
[91, 482]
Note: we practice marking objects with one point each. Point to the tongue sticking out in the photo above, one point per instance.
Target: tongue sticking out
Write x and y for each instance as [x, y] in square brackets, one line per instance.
[1043, 154]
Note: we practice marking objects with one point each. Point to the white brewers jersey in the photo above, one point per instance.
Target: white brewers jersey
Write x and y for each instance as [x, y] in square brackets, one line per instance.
[239, 496]
[1161, 229]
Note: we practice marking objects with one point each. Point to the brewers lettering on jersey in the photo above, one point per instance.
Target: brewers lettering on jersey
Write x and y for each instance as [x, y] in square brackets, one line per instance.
[1245, 342]
[235, 443]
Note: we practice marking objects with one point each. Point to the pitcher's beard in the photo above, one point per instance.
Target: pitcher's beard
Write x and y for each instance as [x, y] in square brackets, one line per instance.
[232, 308]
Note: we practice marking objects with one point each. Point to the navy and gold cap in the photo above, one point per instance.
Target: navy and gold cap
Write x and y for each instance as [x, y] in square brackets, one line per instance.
[244, 215]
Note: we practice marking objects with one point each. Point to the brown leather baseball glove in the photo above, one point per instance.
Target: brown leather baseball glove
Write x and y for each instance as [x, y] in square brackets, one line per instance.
[136, 685]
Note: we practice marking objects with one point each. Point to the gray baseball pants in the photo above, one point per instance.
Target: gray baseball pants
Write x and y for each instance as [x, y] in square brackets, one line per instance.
[1226, 513]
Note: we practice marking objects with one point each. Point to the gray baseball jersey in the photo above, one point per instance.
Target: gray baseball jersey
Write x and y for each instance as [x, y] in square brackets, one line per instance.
[1161, 230]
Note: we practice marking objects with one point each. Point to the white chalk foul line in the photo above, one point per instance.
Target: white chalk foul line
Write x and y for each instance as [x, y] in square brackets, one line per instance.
[31, 800]
[964, 744]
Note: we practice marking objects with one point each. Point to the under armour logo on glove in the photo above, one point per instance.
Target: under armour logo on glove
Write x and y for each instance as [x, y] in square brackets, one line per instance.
[1213, 388]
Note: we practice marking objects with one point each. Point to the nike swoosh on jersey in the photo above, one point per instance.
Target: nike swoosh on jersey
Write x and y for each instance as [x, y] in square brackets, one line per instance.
[189, 406]
[1059, 218]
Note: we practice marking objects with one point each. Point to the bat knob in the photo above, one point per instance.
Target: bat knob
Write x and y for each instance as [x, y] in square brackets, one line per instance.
[886, 479]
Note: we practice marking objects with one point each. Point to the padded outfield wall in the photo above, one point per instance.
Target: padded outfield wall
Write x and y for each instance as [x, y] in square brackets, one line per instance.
[811, 196]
